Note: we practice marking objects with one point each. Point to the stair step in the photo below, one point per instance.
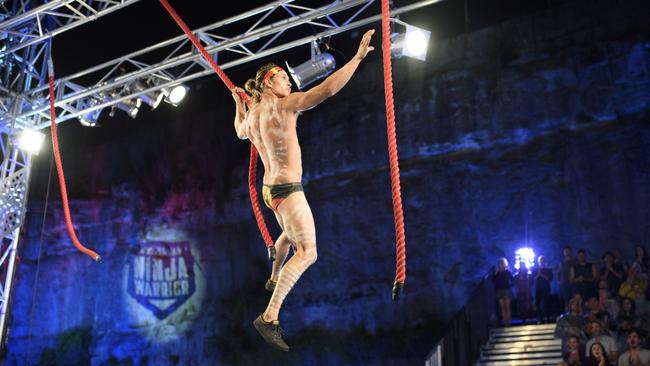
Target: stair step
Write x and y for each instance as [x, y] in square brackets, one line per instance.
[522, 356]
[540, 362]
[528, 348]
[523, 332]
[536, 327]
[523, 338]
[521, 344]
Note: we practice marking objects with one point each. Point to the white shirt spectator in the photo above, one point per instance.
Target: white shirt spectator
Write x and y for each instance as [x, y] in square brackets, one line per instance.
[644, 358]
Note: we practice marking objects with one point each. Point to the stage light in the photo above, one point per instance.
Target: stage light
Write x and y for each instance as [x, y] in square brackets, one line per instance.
[90, 119]
[319, 66]
[130, 107]
[412, 43]
[525, 255]
[177, 94]
[30, 141]
[153, 99]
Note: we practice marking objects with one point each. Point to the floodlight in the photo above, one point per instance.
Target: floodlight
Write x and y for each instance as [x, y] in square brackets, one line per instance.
[90, 119]
[30, 141]
[153, 99]
[130, 107]
[177, 94]
[526, 256]
[413, 42]
[319, 66]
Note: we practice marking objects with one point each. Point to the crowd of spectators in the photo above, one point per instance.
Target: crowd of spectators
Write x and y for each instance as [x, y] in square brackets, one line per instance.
[605, 305]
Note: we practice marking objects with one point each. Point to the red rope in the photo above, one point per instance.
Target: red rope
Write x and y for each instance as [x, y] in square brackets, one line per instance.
[252, 176]
[400, 243]
[59, 170]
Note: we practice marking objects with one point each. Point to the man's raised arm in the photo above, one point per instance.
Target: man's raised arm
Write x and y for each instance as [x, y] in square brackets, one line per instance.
[331, 85]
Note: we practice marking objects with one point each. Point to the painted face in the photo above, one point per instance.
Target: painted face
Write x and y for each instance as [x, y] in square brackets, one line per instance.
[280, 84]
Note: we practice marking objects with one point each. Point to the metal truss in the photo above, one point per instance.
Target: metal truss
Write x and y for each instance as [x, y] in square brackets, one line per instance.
[127, 78]
[23, 26]
[14, 184]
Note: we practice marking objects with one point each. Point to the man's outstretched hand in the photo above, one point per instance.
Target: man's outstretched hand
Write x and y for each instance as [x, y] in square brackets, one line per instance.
[364, 46]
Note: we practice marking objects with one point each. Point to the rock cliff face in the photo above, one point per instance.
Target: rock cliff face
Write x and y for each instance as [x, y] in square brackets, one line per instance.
[532, 132]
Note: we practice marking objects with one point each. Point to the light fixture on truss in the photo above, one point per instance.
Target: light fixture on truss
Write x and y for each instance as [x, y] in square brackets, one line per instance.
[320, 65]
[153, 99]
[30, 141]
[131, 107]
[414, 42]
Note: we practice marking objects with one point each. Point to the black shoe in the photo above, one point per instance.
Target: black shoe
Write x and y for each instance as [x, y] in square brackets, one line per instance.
[270, 285]
[272, 333]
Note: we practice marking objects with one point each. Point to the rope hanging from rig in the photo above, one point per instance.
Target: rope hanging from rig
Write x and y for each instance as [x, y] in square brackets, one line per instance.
[59, 170]
[252, 167]
[400, 237]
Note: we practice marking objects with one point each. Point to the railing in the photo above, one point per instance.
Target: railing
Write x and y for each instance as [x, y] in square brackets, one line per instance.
[467, 330]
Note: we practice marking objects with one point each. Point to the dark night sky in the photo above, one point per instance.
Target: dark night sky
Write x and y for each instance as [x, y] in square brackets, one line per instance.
[146, 23]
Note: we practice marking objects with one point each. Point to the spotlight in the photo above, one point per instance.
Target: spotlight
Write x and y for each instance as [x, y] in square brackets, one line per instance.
[90, 119]
[130, 107]
[319, 66]
[174, 94]
[412, 43]
[153, 99]
[525, 255]
[30, 141]
[177, 94]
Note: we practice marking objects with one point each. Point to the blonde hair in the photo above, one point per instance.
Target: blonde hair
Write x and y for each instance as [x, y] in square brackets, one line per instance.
[254, 87]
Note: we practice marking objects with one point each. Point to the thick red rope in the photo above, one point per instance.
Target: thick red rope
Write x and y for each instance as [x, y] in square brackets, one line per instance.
[59, 170]
[252, 176]
[400, 243]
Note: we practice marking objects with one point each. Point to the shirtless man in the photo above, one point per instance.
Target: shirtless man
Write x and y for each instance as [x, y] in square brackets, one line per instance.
[270, 124]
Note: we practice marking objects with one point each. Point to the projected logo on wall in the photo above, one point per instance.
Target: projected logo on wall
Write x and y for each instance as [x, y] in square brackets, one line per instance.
[161, 276]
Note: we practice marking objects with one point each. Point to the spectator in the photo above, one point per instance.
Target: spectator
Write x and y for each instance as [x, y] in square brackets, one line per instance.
[583, 275]
[608, 304]
[572, 324]
[523, 283]
[599, 336]
[620, 260]
[503, 281]
[624, 328]
[597, 355]
[635, 356]
[627, 311]
[634, 283]
[597, 312]
[564, 277]
[573, 354]
[611, 272]
[543, 277]
[641, 258]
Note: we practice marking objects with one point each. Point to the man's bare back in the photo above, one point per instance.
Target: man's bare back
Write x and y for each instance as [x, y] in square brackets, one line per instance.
[272, 129]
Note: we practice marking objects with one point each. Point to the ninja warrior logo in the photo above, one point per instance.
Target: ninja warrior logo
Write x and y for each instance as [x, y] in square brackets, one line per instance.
[161, 276]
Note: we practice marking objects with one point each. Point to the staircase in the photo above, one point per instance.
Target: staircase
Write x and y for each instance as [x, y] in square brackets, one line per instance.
[522, 346]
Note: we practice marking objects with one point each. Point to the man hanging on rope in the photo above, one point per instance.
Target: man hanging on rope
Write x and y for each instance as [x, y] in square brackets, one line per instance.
[270, 124]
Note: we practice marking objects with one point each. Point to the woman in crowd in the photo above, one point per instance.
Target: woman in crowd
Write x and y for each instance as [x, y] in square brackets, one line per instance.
[503, 281]
[597, 355]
